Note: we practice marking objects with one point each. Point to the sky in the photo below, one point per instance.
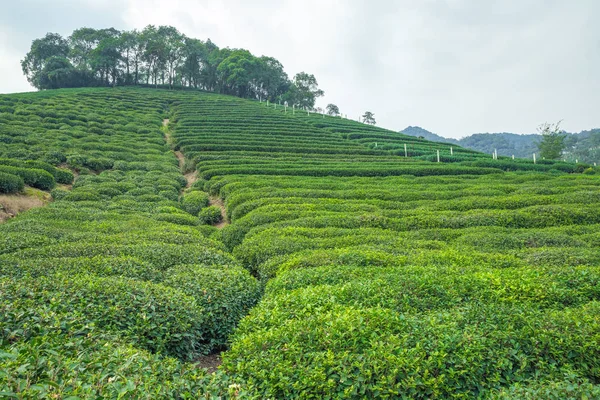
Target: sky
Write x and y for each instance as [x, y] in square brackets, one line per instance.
[454, 67]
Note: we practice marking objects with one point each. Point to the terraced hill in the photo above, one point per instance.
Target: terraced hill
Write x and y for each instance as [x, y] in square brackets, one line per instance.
[349, 267]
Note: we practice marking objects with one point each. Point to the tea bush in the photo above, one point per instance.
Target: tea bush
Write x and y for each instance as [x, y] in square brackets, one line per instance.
[193, 202]
[210, 215]
[385, 273]
[10, 183]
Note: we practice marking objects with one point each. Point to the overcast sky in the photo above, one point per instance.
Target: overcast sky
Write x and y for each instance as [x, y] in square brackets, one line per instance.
[454, 67]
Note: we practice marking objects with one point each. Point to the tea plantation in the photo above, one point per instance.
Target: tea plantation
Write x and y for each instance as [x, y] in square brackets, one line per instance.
[352, 263]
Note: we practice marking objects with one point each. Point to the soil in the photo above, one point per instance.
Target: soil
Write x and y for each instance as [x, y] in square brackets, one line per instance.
[216, 201]
[211, 362]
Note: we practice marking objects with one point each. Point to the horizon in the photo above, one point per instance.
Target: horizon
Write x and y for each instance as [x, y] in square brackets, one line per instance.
[461, 69]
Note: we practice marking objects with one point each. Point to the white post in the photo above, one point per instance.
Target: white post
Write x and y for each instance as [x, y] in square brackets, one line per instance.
[293, 109]
[438, 154]
[451, 152]
[405, 151]
[513, 156]
[534, 158]
[375, 144]
[576, 161]
[595, 165]
[267, 102]
[308, 112]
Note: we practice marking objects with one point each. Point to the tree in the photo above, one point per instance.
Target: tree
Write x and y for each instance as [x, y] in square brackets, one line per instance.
[304, 91]
[154, 54]
[51, 45]
[162, 55]
[271, 80]
[369, 118]
[552, 142]
[173, 50]
[194, 54]
[237, 72]
[131, 55]
[333, 110]
[59, 73]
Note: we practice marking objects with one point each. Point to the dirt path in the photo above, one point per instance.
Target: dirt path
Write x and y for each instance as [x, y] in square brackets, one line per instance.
[218, 202]
[192, 177]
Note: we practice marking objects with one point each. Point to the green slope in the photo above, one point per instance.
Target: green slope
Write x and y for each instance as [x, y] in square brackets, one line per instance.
[384, 276]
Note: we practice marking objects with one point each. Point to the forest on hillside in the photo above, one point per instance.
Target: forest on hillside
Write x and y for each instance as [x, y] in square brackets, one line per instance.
[583, 146]
[161, 56]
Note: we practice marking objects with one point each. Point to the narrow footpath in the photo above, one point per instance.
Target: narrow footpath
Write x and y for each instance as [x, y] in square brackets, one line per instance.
[192, 176]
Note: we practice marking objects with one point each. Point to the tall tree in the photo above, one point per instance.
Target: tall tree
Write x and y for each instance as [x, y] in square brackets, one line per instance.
[131, 55]
[173, 50]
[212, 59]
[237, 72]
[552, 143]
[333, 110]
[271, 80]
[154, 54]
[369, 118]
[162, 55]
[194, 59]
[51, 45]
[304, 91]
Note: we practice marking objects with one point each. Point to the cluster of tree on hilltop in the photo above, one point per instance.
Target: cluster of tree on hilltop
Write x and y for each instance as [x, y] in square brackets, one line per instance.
[161, 56]
[583, 146]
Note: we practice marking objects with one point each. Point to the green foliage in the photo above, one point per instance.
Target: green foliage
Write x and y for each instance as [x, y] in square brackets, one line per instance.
[385, 273]
[38, 178]
[210, 215]
[333, 110]
[152, 316]
[10, 183]
[552, 143]
[368, 118]
[193, 202]
[225, 295]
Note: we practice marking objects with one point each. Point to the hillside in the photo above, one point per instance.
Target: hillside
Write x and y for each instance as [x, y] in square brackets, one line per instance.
[353, 264]
[583, 146]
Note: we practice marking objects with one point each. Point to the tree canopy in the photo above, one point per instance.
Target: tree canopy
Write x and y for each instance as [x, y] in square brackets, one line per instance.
[368, 118]
[161, 55]
[333, 110]
[552, 143]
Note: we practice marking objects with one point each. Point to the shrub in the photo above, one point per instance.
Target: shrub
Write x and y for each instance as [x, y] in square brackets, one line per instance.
[38, 178]
[210, 215]
[64, 176]
[154, 317]
[225, 294]
[180, 219]
[10, 183]
[193, 202]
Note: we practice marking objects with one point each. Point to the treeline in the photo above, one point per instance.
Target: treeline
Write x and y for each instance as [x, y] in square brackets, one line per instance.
[161, 56]
[583, 146]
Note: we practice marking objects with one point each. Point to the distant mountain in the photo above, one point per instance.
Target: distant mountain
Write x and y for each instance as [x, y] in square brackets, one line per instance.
[583, 146]
[417, 131]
